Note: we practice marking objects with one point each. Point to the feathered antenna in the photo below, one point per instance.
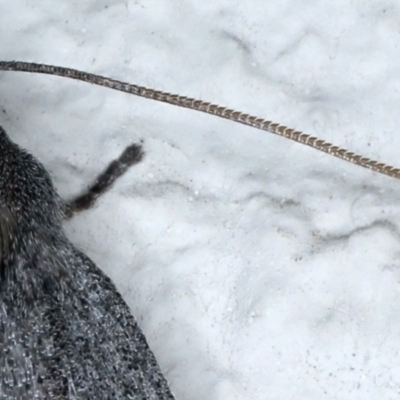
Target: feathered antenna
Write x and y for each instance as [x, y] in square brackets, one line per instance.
[208, 108]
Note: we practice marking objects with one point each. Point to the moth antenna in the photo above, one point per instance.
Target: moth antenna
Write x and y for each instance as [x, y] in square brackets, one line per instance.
[208, 108]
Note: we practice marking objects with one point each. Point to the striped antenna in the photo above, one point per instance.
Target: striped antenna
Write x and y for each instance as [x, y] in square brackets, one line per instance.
[208, 108]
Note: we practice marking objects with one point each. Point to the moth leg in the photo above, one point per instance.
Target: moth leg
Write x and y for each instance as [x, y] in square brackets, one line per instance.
[132, 155]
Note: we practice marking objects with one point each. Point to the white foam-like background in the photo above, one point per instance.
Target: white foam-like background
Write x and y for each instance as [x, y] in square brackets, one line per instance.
[258, 268]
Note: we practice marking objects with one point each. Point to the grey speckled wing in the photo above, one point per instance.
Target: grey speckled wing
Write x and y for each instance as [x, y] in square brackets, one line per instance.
[65, 332]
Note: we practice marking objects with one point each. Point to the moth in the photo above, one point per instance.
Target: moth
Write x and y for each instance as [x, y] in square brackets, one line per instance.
[65, 332]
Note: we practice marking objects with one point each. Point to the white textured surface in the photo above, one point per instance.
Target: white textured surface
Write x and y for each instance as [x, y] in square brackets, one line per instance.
[258, 268]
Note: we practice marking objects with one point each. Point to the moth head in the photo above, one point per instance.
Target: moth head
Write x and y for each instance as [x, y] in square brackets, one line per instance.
[29, 203]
